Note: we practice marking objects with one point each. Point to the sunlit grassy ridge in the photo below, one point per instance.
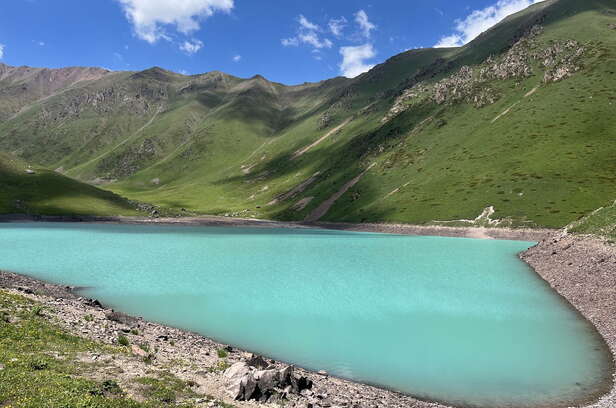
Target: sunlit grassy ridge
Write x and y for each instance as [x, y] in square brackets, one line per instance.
[601, 222]
[48, 193]
[541, 152]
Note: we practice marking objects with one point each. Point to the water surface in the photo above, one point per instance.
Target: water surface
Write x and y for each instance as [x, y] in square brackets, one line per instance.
[455, 320]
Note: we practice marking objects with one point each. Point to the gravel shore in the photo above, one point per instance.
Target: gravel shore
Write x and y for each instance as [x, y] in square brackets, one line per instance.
[520, 234]
[582, 270]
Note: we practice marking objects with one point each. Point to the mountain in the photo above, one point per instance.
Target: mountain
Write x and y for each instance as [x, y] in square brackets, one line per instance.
[26, 189]
[518, 125]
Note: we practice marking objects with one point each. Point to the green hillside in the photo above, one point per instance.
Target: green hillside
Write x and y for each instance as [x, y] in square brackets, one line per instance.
[522, 119]
[35, 190]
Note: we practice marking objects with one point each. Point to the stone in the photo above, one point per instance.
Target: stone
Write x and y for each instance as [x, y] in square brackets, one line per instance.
[234, 377]
[248, 388]
[1, 367]
[298, 384]
[138, 351]
[285, 376]
[257, 362]
[267, 380]
[122, 318]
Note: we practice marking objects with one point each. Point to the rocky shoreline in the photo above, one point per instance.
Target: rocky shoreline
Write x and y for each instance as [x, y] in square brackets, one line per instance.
[581, 269]
[521, 234]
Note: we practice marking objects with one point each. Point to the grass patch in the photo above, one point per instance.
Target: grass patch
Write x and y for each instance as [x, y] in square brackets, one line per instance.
[40, 369]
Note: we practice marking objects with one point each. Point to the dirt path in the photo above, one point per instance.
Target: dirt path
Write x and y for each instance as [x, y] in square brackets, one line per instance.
[532, 91]
[300, 152]
[322, 209]
[505, 112]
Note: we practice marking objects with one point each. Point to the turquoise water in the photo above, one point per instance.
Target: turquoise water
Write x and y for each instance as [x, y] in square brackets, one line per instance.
[455, 320]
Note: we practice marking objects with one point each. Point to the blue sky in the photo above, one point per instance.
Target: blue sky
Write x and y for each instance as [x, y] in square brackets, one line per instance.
[285, 41]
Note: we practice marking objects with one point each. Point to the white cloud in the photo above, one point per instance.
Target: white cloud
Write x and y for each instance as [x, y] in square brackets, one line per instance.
[303, 21]
[1, 51]
[41, 43]
[237, 58]
[150, 16]
[361, 18]
[312, 38]
[307, 33]
[290, 42]
[337, 25]
[453, 40]
[191, 47]
[481, 20]
[184, 72]
[354, 60]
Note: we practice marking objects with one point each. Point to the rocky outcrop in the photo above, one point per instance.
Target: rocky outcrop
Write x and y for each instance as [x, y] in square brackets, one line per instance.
[472, 85]
[245, 382]
[561, 60]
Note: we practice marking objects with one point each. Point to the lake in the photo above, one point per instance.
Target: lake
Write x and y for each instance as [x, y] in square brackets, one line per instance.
[455, 320]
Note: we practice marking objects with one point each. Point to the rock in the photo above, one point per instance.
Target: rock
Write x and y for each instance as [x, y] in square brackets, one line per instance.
[93, 303]
[267, 380]
[248, 388]
[122, 318]
[298, 384]
[138, 351]
[323, 373]
[1, 367]
[285, 376]
[257, 362]
[30, 171]
[233, 377]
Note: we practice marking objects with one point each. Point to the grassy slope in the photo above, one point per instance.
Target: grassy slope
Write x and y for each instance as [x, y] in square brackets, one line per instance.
[40, 368]
[184, 141]
[49, 193]
[601, 222]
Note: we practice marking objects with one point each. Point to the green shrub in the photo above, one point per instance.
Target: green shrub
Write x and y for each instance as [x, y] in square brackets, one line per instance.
[123, 340]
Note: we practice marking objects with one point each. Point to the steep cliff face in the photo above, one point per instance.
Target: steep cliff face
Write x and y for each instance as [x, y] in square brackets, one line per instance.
[521, 119]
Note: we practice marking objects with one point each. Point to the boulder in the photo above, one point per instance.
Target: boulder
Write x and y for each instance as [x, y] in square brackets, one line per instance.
[257, 362]
[233, 379]
[244, 383]
[267, 380]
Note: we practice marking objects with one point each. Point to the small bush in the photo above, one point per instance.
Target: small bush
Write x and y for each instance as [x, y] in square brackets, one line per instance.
[39, 364]
[37, 310]
[111, 387]
[123, 340]
[135, 332]
[220, 366]
[88, 318]
[222, 353]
